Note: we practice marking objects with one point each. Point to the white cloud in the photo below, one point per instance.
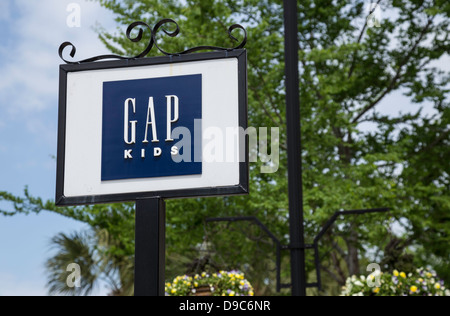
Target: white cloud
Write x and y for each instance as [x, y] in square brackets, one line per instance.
[29, 78]
[29, 63]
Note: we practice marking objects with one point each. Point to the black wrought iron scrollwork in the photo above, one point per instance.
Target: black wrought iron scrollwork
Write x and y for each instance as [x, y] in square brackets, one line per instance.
[161, 23]
[153, 42]
[136, 39]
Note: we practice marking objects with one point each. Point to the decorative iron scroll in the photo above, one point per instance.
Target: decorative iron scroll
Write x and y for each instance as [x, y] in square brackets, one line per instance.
[153, 42]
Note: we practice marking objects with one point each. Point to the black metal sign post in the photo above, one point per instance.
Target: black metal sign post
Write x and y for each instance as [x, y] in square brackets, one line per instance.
[81, 180]
[150, 247]
[298, 270]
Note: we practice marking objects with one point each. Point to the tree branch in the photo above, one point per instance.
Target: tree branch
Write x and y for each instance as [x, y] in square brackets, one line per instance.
[398, 74]
[436, 141]
[266, 111]
[333, 275]
[269, 96]
[352, 67]
[339, 249]
[337, 266]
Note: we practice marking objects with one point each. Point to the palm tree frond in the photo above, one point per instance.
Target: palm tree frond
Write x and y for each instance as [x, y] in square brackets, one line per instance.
[75, 248]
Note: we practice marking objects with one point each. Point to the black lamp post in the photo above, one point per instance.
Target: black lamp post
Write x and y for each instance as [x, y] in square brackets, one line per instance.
[298, 271]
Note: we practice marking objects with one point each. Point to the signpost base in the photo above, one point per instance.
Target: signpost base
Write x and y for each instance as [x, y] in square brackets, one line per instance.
[150, 247]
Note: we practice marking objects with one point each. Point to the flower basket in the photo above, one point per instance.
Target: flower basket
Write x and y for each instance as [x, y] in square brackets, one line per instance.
[423, 282]
[217, 284]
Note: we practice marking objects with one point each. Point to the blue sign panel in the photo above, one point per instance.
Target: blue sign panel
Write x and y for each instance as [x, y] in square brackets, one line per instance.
[139, 119]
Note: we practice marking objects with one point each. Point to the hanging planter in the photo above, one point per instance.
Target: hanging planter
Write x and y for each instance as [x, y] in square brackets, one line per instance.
[422, 282]
[217, 284]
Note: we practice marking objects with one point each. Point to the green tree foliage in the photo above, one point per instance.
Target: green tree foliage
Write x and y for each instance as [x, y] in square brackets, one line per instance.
[347, 69]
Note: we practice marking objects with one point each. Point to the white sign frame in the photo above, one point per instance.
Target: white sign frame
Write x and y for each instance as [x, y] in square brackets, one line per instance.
[80, 121]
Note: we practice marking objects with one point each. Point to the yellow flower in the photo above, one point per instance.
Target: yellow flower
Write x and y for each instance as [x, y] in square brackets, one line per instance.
[413, 289]
[437, 286]
[174, 291]
[396, 274]
[376, 290]
[421, 280]
[195, 284]
[203, 274]
[251, 293]
[429, 275]
[403, 275]
[169, 285]
[232, 293]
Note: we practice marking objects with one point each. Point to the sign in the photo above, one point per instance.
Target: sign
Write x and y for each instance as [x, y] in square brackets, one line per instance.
[148, 110]
[145, 128]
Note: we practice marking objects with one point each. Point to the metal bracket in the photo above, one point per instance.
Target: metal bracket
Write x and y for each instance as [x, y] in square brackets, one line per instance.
[314, 246]
[153, 42]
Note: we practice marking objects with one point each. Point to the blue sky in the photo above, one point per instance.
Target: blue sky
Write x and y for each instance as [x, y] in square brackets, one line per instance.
[30, 34]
